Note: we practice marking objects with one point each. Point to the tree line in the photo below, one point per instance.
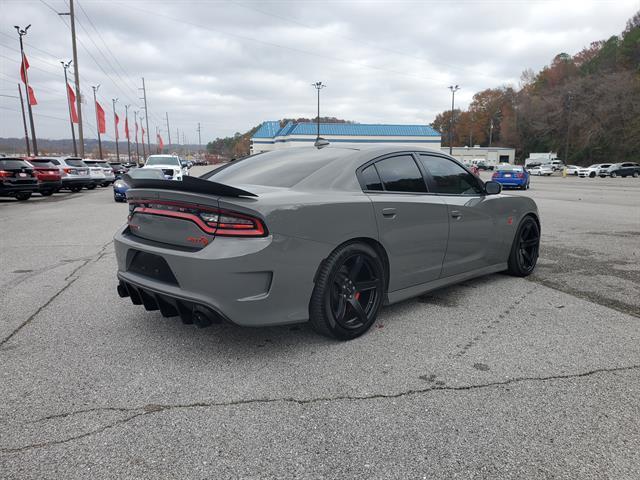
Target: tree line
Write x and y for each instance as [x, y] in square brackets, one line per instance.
[586, 107]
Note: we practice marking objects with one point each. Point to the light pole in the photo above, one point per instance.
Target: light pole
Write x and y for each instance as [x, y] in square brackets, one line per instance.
[66, 87]
[454, 89]
[95, 105]
[115, 126]
[21, 33]
[566, 141]
[318, 86]
[126, 131]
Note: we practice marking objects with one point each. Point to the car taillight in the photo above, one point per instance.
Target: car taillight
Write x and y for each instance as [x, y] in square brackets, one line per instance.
[5, 174]
[520, 175]
[210, 220]
[495, 174]
[72, 171]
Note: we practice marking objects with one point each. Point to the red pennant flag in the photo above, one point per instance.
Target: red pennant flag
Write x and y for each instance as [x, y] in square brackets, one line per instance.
[72, 104]
[32, 97]
[102, 123]
[117, 122]
[126, 127]
[160, 143]
[23, 69]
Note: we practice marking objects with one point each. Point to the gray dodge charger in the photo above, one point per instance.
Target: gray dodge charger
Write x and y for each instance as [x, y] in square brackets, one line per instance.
[324, 235]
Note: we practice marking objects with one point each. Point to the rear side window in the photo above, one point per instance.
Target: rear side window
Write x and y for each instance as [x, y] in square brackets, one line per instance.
[401, 174]
[13, 164]
[370, 178]
[449, 177]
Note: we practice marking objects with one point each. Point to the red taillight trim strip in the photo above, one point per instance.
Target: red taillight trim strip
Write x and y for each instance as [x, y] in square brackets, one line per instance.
[181, 215]
[258, 228]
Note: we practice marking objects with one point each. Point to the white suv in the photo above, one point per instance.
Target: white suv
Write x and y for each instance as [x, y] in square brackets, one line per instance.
[594, 170]
[172, 167]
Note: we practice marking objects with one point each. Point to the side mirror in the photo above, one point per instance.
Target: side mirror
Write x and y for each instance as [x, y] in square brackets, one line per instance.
[492, 188]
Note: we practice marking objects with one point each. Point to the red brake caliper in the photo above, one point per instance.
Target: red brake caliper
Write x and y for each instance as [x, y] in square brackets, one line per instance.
[357, 296]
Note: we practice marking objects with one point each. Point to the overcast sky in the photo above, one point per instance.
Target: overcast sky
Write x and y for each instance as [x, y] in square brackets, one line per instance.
[232, 64]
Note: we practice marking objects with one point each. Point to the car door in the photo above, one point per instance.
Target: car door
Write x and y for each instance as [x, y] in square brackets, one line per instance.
[412, 224]
[475, 240]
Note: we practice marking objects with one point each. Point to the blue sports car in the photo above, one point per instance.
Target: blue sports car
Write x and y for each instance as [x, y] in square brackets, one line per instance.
[511, 176]
[120, 186]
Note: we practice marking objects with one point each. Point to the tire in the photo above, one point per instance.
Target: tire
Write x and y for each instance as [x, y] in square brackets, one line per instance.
[91, 187]
[635, 175]
[22, 196]
[592, 175]
[613, 175]
[46, 193]
[348, 292]
[525, 248]
[75, 189]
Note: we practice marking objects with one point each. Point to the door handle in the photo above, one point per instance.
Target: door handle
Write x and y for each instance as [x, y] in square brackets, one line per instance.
[456, 214]
[389, 212]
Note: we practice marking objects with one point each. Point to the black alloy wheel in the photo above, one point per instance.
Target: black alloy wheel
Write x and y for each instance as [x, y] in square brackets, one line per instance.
[46, 193]
[525, 249]
[348, 293]
[23, 196]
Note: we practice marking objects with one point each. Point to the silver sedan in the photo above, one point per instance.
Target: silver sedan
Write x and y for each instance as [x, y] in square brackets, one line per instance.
[326, 235]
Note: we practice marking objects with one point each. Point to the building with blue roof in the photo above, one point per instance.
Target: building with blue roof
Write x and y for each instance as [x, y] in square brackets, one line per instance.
[272, 136]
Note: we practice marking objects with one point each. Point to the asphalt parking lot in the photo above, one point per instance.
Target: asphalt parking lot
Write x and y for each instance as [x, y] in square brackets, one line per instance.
[495, 378]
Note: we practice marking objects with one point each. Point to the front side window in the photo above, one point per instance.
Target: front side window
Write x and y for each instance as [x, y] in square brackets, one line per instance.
[449, 177]
[401, 174]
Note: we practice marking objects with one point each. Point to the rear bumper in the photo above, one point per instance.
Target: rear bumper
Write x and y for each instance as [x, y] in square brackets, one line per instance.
[75, 182]
[250, 282]
[511, 182]
[46, 185]
[10, 188]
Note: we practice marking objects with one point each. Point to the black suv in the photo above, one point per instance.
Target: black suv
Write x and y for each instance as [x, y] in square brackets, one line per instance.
[624, 169]
[17, 179]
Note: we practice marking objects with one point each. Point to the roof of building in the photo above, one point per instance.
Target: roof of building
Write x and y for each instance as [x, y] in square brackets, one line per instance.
[271, 129]
[267, 130]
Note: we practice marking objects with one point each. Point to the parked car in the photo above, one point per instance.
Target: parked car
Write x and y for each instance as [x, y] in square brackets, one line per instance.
[118, 169]
[511, 176]
[556, 165]
[572, 170]
[75, 174]
[625, 169]
[96, 174]
[49, 176]
[594, 170]
[326, 235]
[121, 185]
[171, 165]
[17, 178]
[105, 168]
[541, 170]
[605, 169]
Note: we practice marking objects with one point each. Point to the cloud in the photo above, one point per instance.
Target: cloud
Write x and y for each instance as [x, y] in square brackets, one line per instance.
[231, 65]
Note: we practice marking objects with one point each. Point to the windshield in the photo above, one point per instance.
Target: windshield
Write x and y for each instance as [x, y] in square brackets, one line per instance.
[42, 164]
[162, 160]
[146, 173]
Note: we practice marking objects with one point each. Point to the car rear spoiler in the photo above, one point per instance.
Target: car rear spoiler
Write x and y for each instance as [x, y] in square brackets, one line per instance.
[188, 184]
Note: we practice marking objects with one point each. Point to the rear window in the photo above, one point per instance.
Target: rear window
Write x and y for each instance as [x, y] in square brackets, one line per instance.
[74, 162]
[13, 164]
[42, 164]
[104, 164]
[282, 168]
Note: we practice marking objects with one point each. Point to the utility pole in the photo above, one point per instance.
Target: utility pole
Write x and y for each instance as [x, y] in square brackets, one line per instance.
[21, 33]
[178, 136]
[318, 86]
[454, 89]
[66, 88]
[135, 116]
[144, 153]
[95, 105]
[491, 131]
[146, 113]
[126, 122]
[168, 130]
[566, 141]
[76, 73]
[199, 139]
[115, 127]
[24, 121]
